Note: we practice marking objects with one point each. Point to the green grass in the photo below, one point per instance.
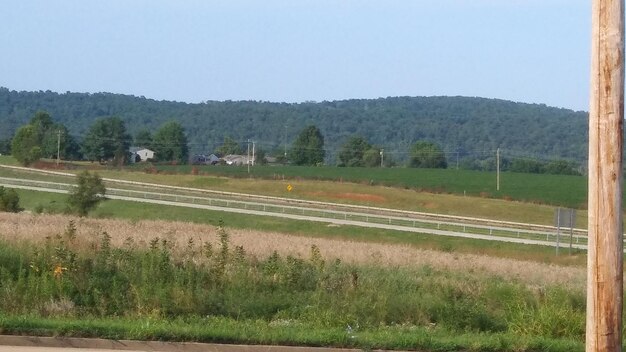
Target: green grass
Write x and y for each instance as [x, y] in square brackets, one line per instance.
[226, 330]
[37, 176]
[42, 201]
[8, 160]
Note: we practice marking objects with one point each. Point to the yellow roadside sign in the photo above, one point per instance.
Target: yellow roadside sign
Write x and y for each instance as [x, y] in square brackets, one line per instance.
[289, 188]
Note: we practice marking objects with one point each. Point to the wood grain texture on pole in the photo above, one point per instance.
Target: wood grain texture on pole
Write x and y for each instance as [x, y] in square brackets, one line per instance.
[606, 118]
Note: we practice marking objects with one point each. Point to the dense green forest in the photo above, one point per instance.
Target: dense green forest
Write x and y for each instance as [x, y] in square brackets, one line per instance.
[467, 128]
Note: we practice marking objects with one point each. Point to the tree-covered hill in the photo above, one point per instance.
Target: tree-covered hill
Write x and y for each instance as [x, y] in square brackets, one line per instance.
[471, 127]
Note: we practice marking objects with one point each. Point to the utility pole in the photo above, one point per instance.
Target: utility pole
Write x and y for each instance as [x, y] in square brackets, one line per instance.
[457, 159]
[58, 147]
[253, 154]
[382, 156]
[606, 122]
[248, 156]
[498, 169]
[285, 142]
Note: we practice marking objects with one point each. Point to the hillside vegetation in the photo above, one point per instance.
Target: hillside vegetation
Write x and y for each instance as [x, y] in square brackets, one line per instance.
[471, 128]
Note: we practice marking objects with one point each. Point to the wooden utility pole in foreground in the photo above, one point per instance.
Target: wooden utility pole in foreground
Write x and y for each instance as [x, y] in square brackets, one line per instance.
[606, 118]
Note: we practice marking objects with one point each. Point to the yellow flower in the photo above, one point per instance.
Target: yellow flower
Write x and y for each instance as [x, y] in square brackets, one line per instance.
[58, 270]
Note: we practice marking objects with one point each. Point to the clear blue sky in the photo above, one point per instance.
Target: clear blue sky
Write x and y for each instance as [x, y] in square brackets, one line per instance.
[533, 51]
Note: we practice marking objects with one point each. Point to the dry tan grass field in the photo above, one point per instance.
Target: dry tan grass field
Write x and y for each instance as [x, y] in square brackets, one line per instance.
[35, 228]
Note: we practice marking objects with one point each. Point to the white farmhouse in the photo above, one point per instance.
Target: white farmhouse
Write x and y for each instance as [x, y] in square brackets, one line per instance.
[138, 154]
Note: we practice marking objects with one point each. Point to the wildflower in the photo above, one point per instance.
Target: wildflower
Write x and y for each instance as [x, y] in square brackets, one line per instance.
[58, 270]
[32, 266]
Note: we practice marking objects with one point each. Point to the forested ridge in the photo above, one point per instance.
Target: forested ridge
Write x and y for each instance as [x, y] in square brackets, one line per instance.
[470, 127]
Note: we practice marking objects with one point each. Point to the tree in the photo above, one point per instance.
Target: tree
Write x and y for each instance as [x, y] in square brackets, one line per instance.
[43, 138]
[87, 194]
[528, 166]
[143, 139]
[352, 152]
[9, 200]
[70, 149]
[170, 143]
[24, 146]
[229, 147]
[371, 157]
[107, 140]
[259, 157]
[308, 148]
[562, 167]
[5, 146]
[41, 122]
[46, 133]
[58, 138]
[427, 155]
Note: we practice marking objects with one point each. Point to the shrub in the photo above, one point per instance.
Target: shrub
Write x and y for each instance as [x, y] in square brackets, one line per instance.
[9, 200]
[88, 193]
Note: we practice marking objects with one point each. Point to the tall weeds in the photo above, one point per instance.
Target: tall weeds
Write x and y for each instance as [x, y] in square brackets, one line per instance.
[60, 278]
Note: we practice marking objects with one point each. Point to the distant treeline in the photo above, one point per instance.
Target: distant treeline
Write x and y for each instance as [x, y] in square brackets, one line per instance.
[467, 129]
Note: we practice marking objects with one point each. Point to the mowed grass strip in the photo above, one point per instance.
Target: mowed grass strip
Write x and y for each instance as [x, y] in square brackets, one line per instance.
[242, 331]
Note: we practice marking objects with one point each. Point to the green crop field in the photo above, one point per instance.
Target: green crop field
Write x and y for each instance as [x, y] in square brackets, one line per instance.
[570, 191]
